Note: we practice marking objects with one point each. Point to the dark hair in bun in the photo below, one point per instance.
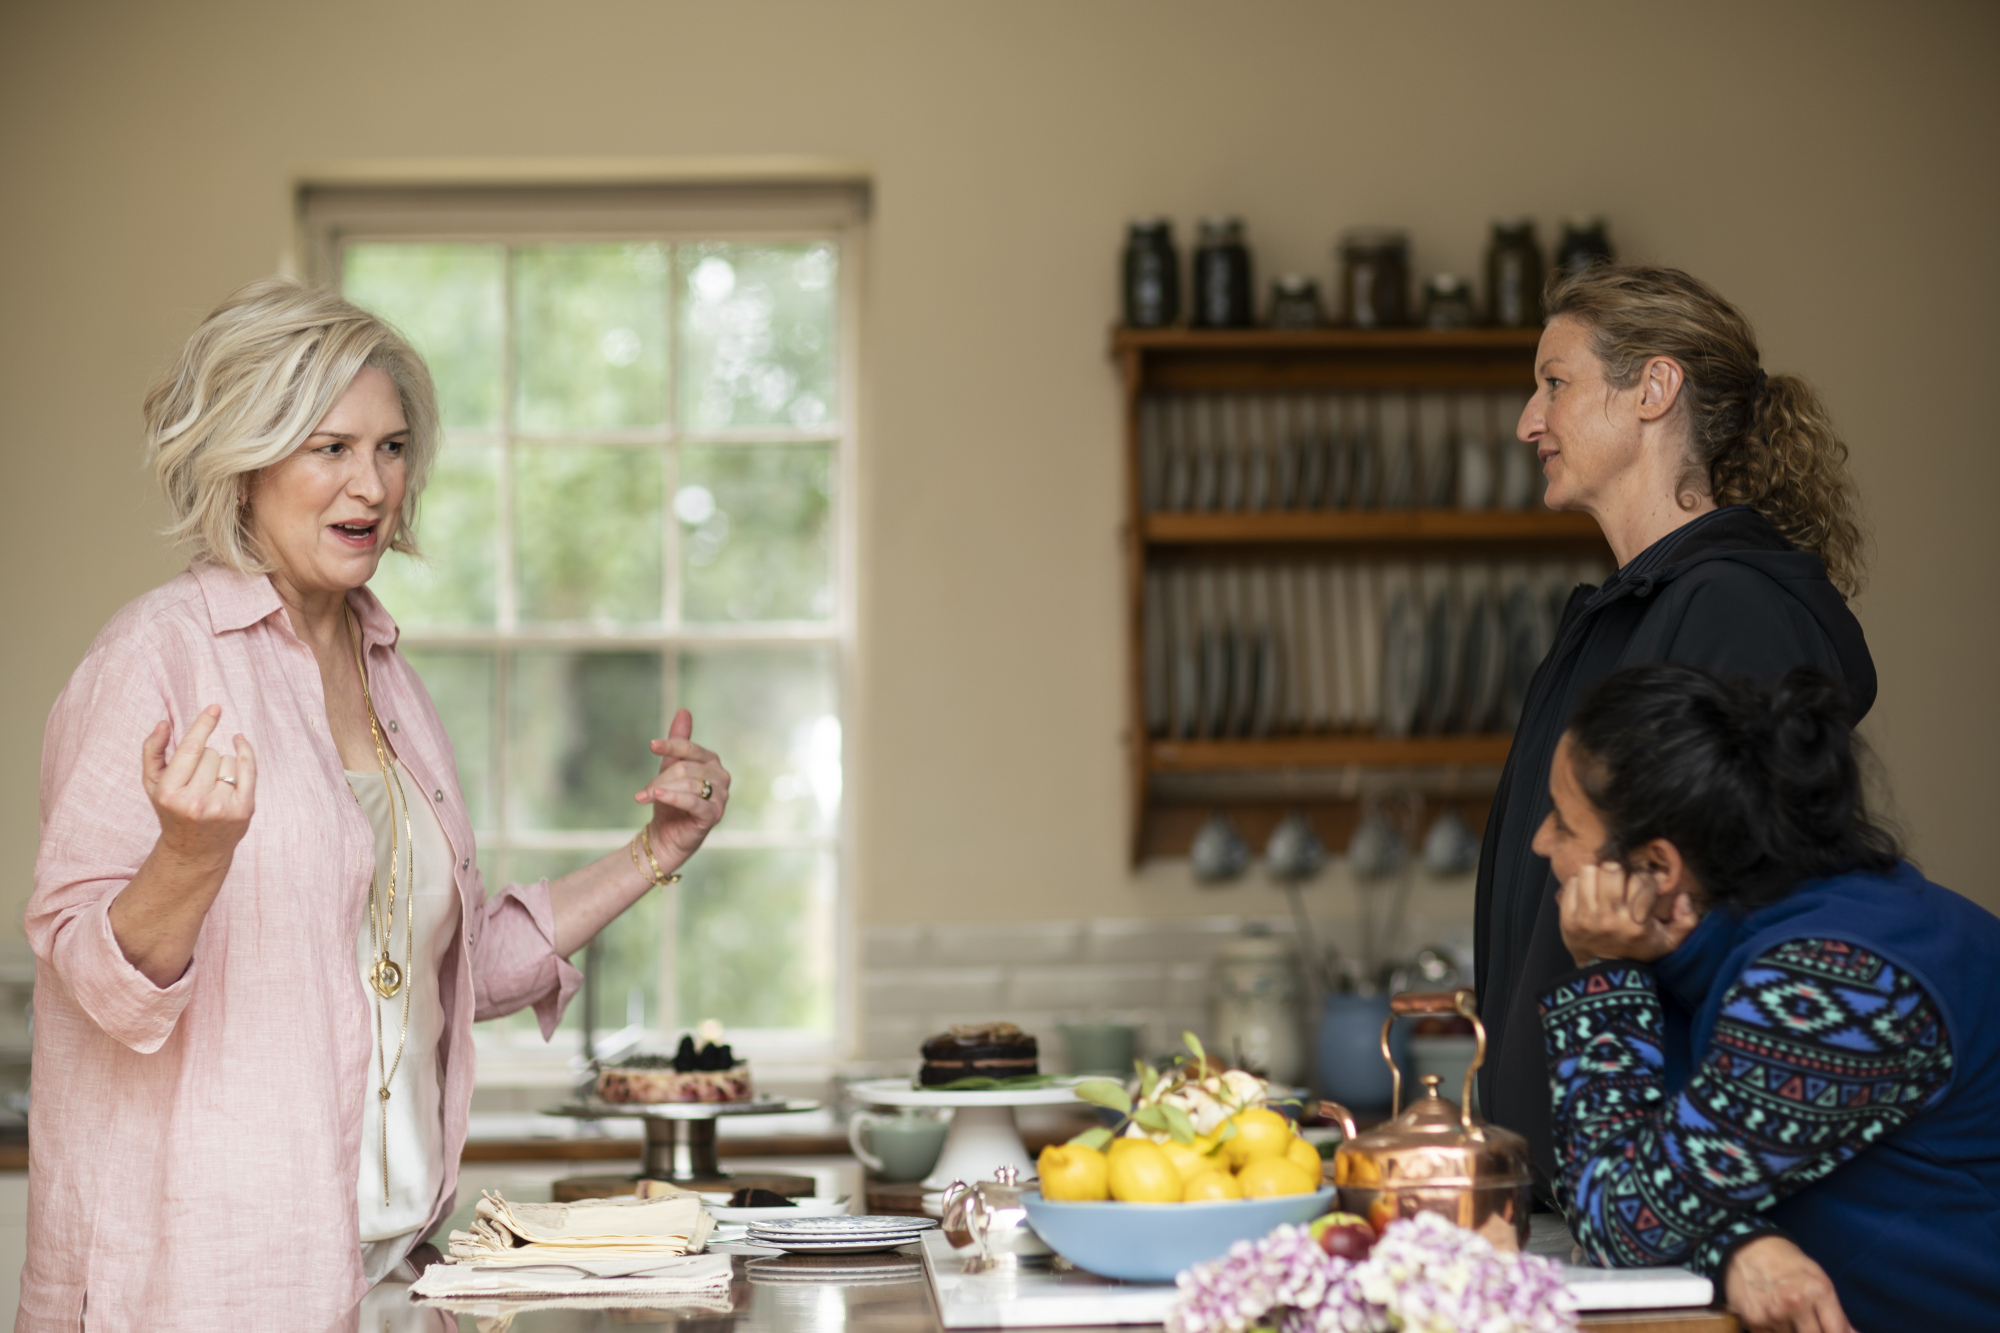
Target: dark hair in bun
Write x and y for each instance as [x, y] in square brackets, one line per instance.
[1760, 790]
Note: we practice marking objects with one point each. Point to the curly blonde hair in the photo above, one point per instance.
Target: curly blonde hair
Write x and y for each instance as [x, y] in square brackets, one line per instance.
[1761, 440]
[247, 390]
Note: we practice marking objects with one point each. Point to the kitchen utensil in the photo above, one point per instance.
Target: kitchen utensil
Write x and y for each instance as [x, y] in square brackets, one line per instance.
[1475, 471]
[1222, 286]
[1315, 442]
[1375, 278]
[1152, 273]
[1443, 648]
[1377, 850]
[1523, 646]
[1294, 851]
[1364, 464]
[1519, 474]
[988, 1217]
[1295, 303]
[1159, 698]
[1254, 1004]
[1179, 453]
[1100, 1048]
[1449, 846]
[1514, 275]
[1437, 1156]
[899, 1147]
[1152, 1242]
[1583, 243]
[1219, 852]
[1403, 657]
[1448, 303]
[1483, 656]
[1218, 650]
[1270, 683]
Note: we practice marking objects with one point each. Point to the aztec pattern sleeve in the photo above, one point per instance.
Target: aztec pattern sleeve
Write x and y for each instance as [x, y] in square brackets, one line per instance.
[1820, 1048]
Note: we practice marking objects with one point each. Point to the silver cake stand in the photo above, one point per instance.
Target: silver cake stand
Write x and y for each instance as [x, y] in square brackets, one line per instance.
[680, 1141]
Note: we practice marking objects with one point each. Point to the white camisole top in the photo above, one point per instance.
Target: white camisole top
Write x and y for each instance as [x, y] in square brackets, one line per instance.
[414, 1113]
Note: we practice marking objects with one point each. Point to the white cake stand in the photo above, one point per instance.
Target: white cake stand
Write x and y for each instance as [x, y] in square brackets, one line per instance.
[984, 1135]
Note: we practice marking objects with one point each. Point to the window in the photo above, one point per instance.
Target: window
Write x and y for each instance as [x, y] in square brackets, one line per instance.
[638, 506]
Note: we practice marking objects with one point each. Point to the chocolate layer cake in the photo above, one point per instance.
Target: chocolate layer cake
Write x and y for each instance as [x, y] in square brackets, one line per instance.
[710, 1074]
[979, 1050]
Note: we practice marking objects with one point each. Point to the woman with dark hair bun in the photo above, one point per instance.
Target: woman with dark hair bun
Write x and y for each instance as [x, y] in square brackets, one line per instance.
[1723, 493]
[1778, 1057]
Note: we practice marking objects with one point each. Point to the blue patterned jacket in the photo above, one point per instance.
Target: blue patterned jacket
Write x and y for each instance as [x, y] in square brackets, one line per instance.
[1827, 1067]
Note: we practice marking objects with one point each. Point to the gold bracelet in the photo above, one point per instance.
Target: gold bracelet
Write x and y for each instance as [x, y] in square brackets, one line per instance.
[659, 881]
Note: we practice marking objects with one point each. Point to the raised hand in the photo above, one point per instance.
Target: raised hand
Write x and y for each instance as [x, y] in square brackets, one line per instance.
[1608, 912]
[203, 798]
[688, 796]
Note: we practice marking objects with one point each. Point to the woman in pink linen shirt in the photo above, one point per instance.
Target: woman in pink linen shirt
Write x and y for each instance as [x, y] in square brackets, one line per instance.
[211, 1059]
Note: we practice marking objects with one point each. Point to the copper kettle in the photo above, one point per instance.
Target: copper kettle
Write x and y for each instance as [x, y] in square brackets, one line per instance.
[1436, 1157]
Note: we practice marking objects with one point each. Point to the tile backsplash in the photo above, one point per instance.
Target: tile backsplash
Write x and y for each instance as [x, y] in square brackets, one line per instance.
[917, 980]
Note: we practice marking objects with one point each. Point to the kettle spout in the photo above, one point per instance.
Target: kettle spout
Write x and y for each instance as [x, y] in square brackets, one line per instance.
[1340, 1114]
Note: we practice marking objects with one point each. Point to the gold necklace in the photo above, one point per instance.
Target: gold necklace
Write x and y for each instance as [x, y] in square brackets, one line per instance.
[385, 977]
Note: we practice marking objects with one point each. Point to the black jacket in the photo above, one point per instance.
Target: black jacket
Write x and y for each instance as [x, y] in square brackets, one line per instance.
[1727, 594]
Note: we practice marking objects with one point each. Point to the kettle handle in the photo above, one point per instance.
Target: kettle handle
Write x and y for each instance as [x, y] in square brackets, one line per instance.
[1461, 1003]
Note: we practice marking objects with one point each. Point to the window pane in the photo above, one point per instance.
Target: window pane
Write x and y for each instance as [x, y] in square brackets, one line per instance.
[587, 533]
[628, 980]
[755, 532]
[577, 728]
[590, 337]
[772, 715]
[461, 687]
[757, 336]
[447, 299]
[756, 939]
[458, 526]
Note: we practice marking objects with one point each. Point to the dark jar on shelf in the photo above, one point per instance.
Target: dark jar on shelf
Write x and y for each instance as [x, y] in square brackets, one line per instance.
[1583, 243]
[1223, 295]
[1295, 303]
[1448, 303]
[1375, 278]
[1514, 275]
[1152, 275]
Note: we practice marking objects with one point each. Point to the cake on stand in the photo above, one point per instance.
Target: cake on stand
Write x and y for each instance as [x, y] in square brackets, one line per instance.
[679, 1147]
[984, 1136]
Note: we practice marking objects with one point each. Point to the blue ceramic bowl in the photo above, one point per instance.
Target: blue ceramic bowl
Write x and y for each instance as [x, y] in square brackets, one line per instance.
[1151, 1242]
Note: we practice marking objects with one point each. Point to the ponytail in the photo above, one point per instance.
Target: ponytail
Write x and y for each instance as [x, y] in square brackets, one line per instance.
[1763, 441]
[1759, 790]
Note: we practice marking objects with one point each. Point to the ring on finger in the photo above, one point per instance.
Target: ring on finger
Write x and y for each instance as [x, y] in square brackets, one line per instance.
[222, 777]
[707, 789]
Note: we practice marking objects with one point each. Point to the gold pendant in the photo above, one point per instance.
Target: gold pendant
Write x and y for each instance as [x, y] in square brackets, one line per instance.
[386, 977]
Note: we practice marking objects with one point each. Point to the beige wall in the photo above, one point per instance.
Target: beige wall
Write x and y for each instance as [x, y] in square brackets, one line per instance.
[1829, 166]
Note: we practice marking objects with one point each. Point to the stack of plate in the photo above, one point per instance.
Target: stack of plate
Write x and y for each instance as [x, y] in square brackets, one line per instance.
[838, 1235]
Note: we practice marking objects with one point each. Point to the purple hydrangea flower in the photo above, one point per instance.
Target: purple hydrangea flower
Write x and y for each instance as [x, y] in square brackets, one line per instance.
[1426, 1275]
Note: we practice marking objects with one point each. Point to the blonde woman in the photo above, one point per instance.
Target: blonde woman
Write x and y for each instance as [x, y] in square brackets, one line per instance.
[1724, 495]
[262, 931]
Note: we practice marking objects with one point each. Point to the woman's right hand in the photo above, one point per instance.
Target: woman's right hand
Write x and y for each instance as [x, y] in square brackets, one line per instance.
[1773, 1286]
[203, 798]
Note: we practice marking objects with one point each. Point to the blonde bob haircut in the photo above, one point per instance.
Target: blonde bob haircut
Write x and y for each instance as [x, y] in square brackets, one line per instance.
[250, 387]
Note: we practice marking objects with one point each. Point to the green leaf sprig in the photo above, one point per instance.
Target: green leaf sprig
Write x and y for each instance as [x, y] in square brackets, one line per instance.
[1159, 1118]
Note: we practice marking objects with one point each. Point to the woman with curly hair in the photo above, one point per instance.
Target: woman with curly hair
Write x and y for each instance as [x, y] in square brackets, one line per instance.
[1723, 493]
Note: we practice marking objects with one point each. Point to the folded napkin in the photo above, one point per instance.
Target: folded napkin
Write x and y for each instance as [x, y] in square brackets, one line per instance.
[698, 1279]
[600, 1233]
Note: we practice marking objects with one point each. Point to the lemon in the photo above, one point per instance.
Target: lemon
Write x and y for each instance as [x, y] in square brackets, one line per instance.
[1268, 1177]
[1072, 1173]
[1307, 1156]
[1191, 1161]
[1212, 1185]
[1260, 1132]
[1141, 1172]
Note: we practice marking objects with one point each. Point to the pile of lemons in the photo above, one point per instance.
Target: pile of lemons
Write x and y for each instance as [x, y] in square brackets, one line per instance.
[1264, 1158]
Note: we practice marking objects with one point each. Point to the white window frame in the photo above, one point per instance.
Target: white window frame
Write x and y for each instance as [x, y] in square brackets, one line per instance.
[489, 205]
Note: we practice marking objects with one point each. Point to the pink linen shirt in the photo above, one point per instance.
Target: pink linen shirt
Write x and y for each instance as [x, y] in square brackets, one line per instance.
[193, 1150]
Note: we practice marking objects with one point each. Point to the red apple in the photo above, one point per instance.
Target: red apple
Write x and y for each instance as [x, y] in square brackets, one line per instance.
[1344, 1236]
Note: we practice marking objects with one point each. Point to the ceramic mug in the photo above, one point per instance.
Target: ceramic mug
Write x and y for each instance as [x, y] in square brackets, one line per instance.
[896, 1147]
